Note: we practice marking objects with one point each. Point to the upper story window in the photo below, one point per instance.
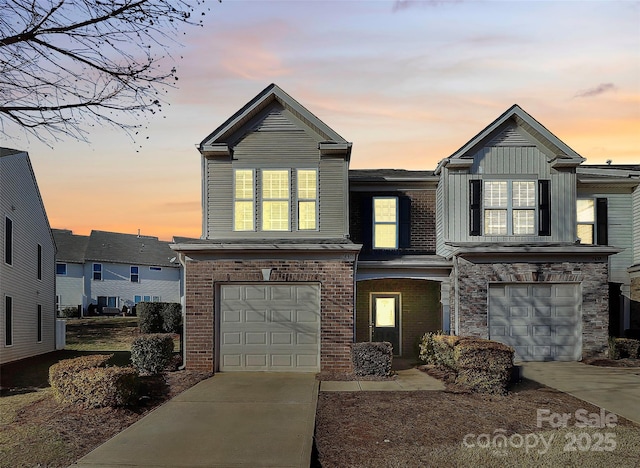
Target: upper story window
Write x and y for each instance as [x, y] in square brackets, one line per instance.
[153, 268]
[39, 324]
[61, 269]
[307, 199]
[278, 190]
[275, 200]
[592, 220]
[385, 222]
[8, 241]
[97, 271]
[510, 207]
[243, 203]
[8, 321]
[134, 274]
[39, 262]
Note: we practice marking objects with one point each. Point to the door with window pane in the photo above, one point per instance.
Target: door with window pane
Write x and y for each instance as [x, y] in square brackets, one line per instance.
[385, 319]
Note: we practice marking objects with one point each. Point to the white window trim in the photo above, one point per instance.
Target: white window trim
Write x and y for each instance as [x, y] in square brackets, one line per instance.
[396, 223]
[39, 261]
[252, 200]
[131, 273]
[39, 324]
[262, 199]
[509, 208]
[155, 268]
[93, 271]
[13, 250]
[298, 199]
[66, 269]
[593, 223]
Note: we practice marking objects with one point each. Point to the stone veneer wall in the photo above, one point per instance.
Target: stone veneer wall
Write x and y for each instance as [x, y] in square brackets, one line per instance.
[336, 302]
[473, 284]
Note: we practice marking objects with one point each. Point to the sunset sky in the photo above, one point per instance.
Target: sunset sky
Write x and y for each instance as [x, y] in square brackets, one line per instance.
[407, 82]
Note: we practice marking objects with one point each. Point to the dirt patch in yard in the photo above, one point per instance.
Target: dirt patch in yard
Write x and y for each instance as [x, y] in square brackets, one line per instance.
[455, 428]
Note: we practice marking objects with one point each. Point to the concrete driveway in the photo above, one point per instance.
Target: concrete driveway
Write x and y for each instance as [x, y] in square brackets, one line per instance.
[246, 419]
[616, 389]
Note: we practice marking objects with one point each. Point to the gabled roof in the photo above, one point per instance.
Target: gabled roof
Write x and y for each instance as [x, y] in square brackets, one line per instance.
[112, 247]
[564, 155]
[5, 152]
[607, 174]
[272, 93]
[71, 247]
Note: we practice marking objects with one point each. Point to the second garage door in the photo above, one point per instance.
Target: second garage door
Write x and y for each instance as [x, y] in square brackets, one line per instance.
[270, 327]
[541, 321]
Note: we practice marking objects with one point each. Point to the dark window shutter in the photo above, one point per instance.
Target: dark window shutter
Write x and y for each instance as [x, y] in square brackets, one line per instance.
[602, 215]
[404, 226]
[475, 196]
[544, 208]
[367, 223]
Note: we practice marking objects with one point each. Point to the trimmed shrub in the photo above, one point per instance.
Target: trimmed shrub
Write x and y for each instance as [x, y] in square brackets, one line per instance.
[443, 346]
[149, 317]
[372, 358]
[86, 382]
[483, 365]
[427, 351]
[620, 348]
[69, 312]
[151, 354]
[483, 381]
[171, 317]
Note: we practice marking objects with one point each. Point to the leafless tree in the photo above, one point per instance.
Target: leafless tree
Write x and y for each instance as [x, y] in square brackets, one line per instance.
[69, 65]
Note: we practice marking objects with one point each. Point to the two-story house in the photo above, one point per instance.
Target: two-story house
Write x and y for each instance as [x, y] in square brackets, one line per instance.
[113, 270]
[300, 257]
[27, 277]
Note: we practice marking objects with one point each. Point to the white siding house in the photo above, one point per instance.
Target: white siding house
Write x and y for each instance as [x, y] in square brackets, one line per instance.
[27, 259]
[108, 269]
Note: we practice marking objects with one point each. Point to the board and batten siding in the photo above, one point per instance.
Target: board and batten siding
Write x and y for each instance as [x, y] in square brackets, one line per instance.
[620, 230]
[20, 201]
[69, 287]
[507, 163]
[277, 144]
[116, 283]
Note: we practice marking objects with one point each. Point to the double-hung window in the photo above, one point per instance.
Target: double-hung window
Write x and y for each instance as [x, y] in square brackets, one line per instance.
[243, 203]
[97, 272]
[385, 222]
[134, 274]
[592, 221]
[307, 199]
[275, 200]
[509, 207]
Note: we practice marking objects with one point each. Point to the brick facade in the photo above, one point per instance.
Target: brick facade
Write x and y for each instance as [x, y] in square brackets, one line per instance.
[423, 218]
[420, 303]
[336, 301]
[473, 283]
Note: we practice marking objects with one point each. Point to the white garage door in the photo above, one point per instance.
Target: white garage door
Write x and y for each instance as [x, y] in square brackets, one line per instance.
[272, 327]
[541, 321]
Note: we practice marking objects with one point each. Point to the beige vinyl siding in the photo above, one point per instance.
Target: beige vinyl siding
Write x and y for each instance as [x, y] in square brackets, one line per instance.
[509, 163]
[20, 200]
[619, 206]
[277, 142]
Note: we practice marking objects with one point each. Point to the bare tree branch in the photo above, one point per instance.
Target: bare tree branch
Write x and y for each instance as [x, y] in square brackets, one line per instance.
[68, 65]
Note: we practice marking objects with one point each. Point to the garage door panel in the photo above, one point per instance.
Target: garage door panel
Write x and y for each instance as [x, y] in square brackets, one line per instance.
[543, 324]
[278, 328]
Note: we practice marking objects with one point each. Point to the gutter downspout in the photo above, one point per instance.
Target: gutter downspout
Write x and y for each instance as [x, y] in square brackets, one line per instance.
[183, 338]
[456, 299]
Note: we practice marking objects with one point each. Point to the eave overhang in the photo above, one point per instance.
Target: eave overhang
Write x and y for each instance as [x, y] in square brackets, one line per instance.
[430, 267]
[534, 253]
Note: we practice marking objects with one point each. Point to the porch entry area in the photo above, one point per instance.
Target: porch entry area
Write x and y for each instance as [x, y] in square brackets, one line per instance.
[399, 311]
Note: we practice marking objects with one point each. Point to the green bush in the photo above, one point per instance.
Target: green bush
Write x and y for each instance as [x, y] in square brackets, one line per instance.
[151, 354]
[372, 358]
[620, 348]
[149, 317]
[86, 382]
[171, 317]
[69, 312]
[427, 351]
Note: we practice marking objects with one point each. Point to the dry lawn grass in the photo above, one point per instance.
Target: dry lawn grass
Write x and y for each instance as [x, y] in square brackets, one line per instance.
[411, 429]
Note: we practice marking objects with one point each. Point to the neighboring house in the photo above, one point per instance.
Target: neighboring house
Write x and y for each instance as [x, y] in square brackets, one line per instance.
[300, 257]
[113, 270]
[27, 277]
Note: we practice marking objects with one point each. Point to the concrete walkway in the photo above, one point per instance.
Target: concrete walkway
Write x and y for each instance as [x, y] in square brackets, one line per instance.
[616, 389]
[406, 380]
[230, 420]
